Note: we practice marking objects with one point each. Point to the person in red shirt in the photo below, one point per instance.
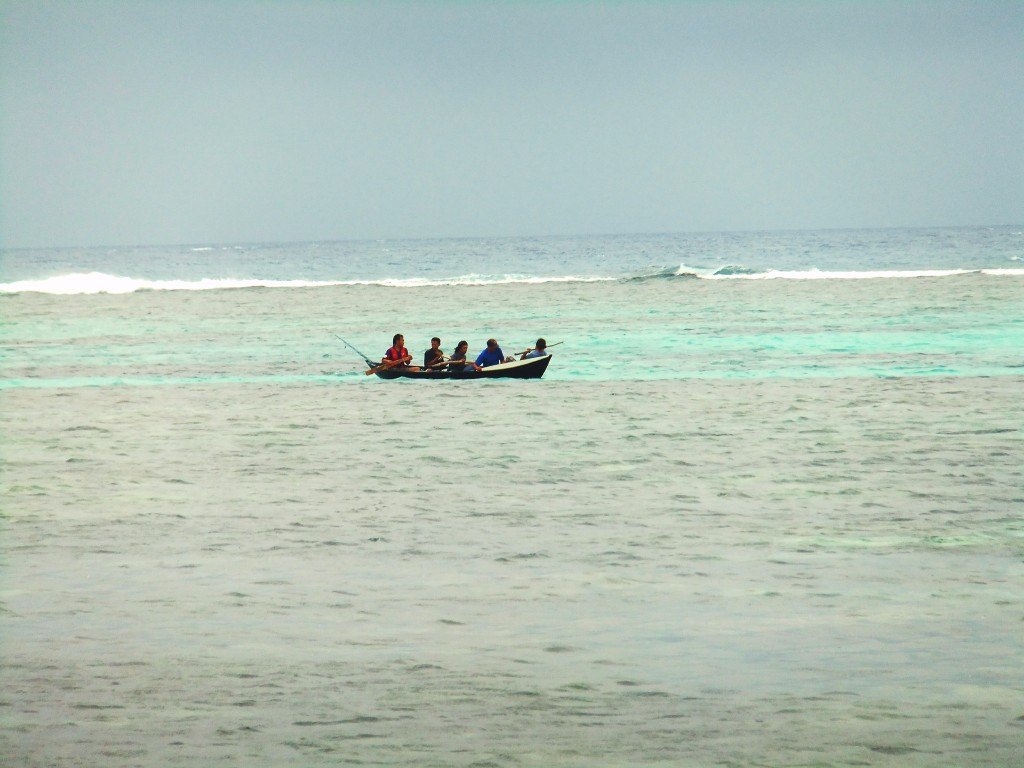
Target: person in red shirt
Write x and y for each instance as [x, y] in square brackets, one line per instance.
[398, 356]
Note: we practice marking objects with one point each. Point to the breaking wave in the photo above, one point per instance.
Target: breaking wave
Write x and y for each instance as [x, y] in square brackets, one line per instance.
[98, 282]
[733, 272]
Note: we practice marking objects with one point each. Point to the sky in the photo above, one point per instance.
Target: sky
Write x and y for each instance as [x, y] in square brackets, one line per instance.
[128, 123]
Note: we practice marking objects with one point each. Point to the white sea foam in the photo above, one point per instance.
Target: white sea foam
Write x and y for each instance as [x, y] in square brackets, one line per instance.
[98, 282]
[816, 274]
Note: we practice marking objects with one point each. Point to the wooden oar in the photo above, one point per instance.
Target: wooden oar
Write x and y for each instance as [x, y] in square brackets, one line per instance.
[442, 364]
[384, 366]
[549, 346]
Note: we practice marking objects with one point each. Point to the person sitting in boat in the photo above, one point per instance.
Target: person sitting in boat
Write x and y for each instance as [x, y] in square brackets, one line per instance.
[434, 357]
[398, 356]
[538, 351]
[492, 355]
[458, 361]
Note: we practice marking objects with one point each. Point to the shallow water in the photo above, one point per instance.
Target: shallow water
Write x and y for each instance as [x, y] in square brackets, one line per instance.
[661, 329]
[739, 522]
[525, 573]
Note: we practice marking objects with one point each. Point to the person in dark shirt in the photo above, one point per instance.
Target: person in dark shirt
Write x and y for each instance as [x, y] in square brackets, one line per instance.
[458, 361]
[492, 355]
[433, 357]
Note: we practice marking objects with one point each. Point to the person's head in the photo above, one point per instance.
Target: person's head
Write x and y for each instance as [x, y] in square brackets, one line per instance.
[492, 343]
[398, 340]
[462, 346]
[435, 342]
[541, 344]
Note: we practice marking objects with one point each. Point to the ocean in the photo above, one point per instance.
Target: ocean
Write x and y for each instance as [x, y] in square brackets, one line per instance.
[766, 506]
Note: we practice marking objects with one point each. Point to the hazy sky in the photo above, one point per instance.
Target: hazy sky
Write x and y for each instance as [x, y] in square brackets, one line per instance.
[192, 122]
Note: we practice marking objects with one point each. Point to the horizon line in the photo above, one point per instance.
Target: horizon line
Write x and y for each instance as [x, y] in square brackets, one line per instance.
[551, 236]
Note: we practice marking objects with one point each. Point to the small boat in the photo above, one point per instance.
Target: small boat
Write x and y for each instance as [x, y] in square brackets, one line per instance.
[531, 368]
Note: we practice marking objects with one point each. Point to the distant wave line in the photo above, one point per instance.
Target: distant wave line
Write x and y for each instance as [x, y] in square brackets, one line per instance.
[101, 283]
[98, 282]
[814, 274]
[742, 273]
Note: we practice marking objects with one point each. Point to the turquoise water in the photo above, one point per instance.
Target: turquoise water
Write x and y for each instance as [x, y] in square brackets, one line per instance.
[611, 331]
[742, 520]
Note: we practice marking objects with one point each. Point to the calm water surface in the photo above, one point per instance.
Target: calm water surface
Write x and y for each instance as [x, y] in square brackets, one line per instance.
[739, 522]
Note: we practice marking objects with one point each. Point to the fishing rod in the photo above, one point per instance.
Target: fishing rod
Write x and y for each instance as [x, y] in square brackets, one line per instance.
[369, 362]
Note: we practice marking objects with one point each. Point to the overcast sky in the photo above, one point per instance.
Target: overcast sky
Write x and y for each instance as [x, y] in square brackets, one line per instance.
[195, 122]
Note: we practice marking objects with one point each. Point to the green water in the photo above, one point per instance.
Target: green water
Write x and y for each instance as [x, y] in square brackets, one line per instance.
[970, 326]
[736, 523]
